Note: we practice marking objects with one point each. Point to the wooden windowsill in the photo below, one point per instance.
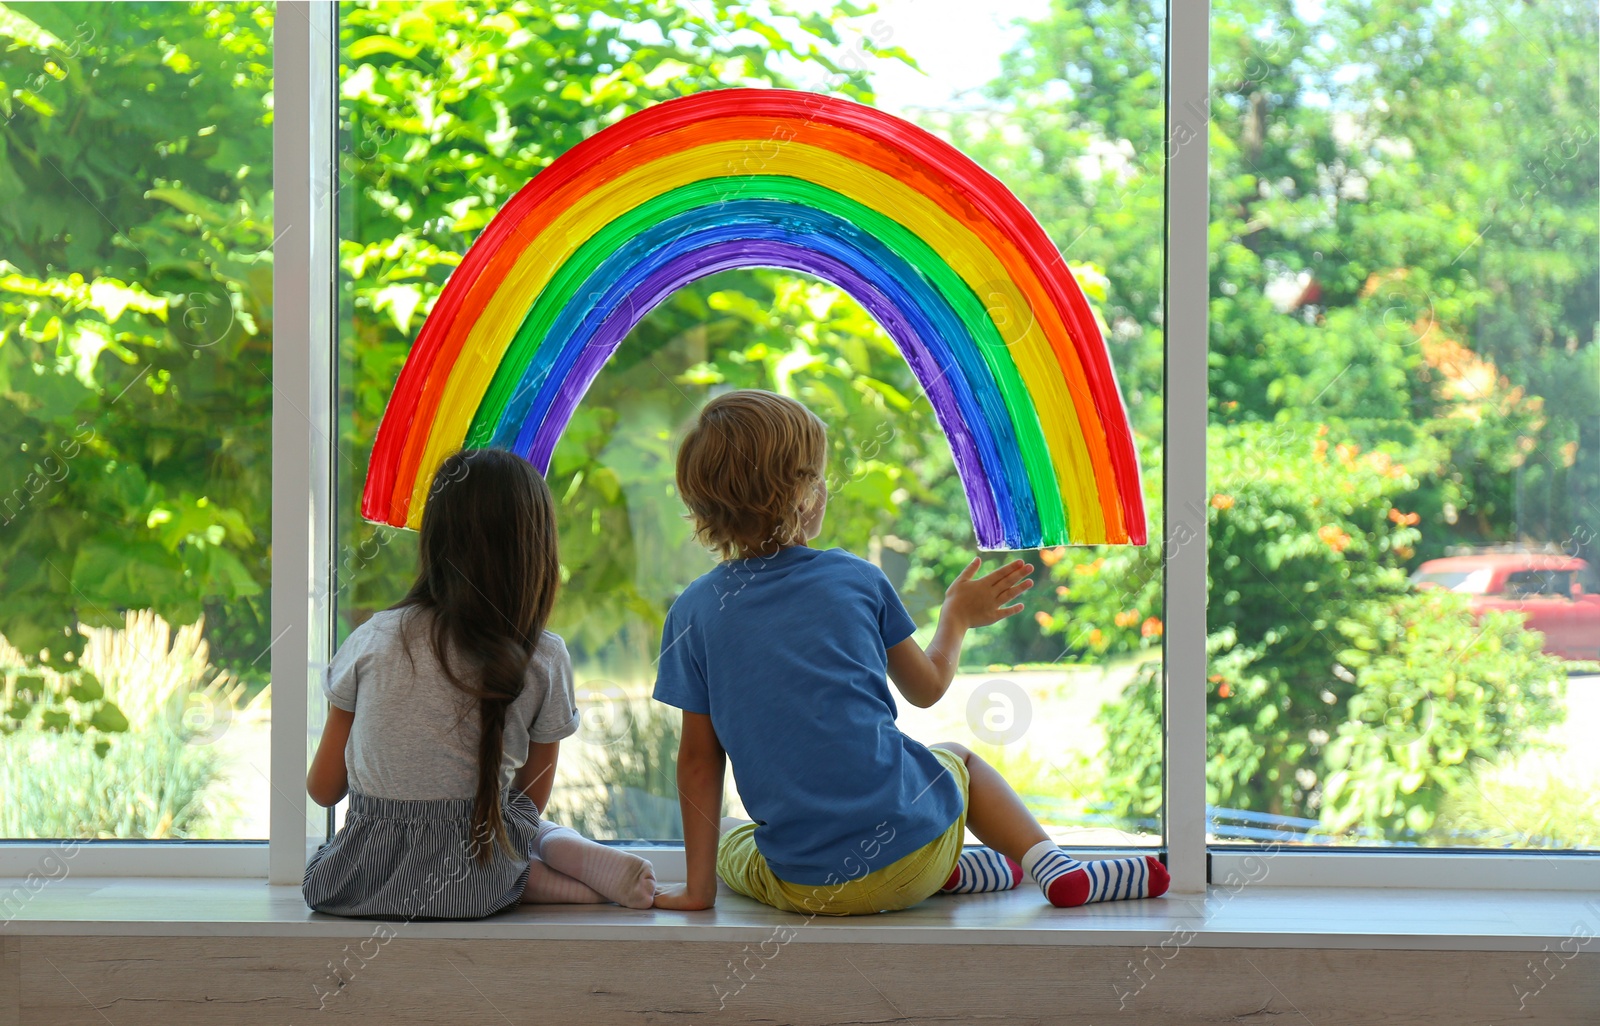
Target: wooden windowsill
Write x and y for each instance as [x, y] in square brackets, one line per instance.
[1438, 920]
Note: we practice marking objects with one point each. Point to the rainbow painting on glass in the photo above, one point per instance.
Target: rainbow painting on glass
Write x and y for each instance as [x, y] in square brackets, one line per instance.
[959, 273]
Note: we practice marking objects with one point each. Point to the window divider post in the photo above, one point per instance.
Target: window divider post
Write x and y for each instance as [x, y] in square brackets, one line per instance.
[303, 173]
[1187, 293]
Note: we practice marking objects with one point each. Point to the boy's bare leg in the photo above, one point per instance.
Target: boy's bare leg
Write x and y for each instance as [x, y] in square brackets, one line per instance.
[995, 813]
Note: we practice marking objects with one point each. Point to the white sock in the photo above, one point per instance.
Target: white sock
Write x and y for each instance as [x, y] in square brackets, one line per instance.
[623, 878]
[547, 886]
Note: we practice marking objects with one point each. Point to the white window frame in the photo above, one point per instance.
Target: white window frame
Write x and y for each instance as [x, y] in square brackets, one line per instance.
[305, 180]
[305, 177]
[1187, 296]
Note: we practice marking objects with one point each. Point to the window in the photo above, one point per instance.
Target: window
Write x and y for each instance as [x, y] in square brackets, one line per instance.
[1528, 583]
[1403, 382]
[136, 366]
[1399, 646]
[1469, 582]
[426, 161]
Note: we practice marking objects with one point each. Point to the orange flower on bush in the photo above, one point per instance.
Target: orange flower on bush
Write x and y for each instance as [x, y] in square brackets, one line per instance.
[1044, 619]
[1151, 628]
[1346, 452]
[1333, 537]
[1127, 618]
[1088, 568]
[1223, 691]
[1320, 451]
[1404, 551]
[1222, 501]
[1050, 557]
[1061, 591]
[1095, 637]
[1403, 519]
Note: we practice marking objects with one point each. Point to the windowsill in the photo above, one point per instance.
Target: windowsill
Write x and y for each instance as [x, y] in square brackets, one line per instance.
[1253, 916]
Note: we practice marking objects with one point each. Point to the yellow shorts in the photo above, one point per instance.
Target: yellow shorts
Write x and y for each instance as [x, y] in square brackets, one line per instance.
[900, 884]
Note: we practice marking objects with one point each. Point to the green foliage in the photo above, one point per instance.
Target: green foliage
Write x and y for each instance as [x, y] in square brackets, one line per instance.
[1078, 135]
[138, 759]
[39, 700]
[1404, 300]
[626, 785]
[1436, 692]
[1540, 800]
[148, 785]
[1334, 692]
[135, 354]
[1421, 255]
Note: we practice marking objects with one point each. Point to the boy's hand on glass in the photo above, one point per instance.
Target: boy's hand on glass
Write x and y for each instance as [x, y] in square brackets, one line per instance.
[980, 601]
[677, 898]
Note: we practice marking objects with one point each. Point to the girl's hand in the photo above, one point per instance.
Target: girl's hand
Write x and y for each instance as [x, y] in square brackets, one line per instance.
[984, 600]
[677, 898]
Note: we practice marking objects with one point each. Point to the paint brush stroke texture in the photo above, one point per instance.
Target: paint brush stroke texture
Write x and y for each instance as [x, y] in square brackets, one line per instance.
[960, 275]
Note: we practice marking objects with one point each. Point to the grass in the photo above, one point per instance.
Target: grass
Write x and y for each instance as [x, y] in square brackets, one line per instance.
[152, 780]
[1541, 800]
[625, 789]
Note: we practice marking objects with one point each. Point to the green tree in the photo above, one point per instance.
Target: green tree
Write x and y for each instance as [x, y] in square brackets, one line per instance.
[1403, 232]
[1334, 692]
[1423, 175]
[135, 299]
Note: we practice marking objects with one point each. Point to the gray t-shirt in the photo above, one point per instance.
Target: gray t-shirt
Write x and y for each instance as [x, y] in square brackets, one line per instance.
[415, 735]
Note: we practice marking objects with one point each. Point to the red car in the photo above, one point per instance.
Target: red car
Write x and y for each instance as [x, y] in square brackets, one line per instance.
[1554, 592]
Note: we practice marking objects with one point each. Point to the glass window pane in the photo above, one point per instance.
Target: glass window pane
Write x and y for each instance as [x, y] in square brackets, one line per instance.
[446, 111]
[1404, 441]
[136, 404]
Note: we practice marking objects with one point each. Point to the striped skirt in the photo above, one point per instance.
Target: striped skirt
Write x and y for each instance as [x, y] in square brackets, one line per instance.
[397, 859]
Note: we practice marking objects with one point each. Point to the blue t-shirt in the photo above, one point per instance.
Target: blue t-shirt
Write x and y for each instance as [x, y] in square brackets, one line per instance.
[787, 655]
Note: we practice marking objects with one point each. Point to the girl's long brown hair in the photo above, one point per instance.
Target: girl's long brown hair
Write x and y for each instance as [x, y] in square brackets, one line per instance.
[488, 577]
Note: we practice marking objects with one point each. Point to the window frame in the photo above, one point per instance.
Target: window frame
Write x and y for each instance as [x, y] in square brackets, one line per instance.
[1186, 298]
[305, 41]
[305, 44]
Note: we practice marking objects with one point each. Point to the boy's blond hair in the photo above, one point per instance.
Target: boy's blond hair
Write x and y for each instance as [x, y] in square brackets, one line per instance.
[749, 470]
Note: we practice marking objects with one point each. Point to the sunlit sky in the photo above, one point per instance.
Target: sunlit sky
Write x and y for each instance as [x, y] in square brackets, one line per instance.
[957, 44]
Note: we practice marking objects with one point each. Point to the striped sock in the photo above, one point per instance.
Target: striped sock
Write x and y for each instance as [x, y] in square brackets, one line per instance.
[1068, 883]
[981, 870]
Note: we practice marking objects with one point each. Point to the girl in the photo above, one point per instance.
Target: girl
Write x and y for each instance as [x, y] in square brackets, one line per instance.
[447, 716]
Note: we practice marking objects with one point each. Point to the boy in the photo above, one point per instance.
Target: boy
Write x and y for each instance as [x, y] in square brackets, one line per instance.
[778, 658]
